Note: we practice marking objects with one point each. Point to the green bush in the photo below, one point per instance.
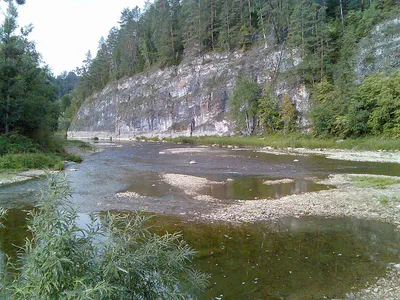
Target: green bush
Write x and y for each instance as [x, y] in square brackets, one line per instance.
[115, 257]
[244, 104]
[13, 143]
[29, 161]
[74, 158]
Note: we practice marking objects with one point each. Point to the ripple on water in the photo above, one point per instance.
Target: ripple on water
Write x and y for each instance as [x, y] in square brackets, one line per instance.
[293, 258]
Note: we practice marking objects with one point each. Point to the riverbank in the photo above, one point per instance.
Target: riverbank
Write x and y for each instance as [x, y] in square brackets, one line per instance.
[23, 160]
[382, 156]
[347, 200]
[281, 142]
[14, 177]
[373, 202]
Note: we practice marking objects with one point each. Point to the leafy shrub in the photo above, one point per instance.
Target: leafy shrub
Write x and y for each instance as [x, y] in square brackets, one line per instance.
[119, 259]
[244, 103]
[13, 143]
[74, 158]
[29, 161]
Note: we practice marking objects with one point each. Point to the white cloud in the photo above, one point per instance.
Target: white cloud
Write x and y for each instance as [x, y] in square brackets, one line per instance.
[64, 30]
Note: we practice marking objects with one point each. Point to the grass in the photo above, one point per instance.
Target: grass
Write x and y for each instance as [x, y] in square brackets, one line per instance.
[294, 140]
[384, 200]
[29, 161]
[74, 157]
[19, 152]
[5, 175]
[373, 182]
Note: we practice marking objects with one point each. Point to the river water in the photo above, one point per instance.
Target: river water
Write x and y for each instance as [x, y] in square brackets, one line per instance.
[307, 258]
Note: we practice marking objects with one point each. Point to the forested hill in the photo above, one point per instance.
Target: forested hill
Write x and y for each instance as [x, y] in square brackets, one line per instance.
[325, 39]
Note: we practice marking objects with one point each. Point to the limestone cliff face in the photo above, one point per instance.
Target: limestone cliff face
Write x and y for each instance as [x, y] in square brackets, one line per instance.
[165, 102]
[380, 51]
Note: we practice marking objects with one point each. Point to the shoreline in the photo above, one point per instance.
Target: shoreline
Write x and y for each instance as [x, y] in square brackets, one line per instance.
[346, 200]
[381, 156]
[10, 177]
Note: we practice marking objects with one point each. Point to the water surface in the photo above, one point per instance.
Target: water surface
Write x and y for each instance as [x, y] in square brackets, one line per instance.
[308, 258]
[291, 259]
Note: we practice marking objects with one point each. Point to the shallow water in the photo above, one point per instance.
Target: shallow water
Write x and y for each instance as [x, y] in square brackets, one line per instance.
[249, 188]
[307, 258]
[292, 259]
[137, 167]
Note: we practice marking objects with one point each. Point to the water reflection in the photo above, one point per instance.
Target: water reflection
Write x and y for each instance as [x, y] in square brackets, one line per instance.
[294, 258]
[246, 188]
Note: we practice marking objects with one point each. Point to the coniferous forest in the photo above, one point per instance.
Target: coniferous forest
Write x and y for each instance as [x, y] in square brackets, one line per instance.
[324, 33]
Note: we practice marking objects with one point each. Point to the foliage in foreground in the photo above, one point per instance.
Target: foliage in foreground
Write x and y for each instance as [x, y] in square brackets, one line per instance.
[115, 257]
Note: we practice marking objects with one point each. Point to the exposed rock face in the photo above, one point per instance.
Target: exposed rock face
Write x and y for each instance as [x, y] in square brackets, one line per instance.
[380, 51]
[194, 94]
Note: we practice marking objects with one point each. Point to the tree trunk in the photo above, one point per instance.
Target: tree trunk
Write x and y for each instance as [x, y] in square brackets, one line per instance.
[227, 26]
[212, 23]
[172, 41]
[6, 115]
[250, 27]
[341, 12]
[262, 21]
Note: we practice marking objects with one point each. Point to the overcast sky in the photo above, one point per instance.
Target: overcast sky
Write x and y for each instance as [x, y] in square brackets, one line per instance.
[64, 30]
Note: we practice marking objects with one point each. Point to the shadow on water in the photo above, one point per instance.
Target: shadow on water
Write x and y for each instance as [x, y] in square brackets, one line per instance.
[13, 234]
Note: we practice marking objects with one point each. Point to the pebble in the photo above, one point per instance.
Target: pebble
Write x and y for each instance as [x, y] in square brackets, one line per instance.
[192, 162]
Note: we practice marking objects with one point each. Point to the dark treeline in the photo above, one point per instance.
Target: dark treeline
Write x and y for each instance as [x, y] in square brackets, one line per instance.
[28, 92]
[324, 33]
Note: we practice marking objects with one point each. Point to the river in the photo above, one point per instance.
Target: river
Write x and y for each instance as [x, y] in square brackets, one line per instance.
[308, 258]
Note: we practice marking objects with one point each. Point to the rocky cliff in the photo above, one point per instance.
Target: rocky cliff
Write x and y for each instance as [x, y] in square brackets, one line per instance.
[380, 51]
[165, 102]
